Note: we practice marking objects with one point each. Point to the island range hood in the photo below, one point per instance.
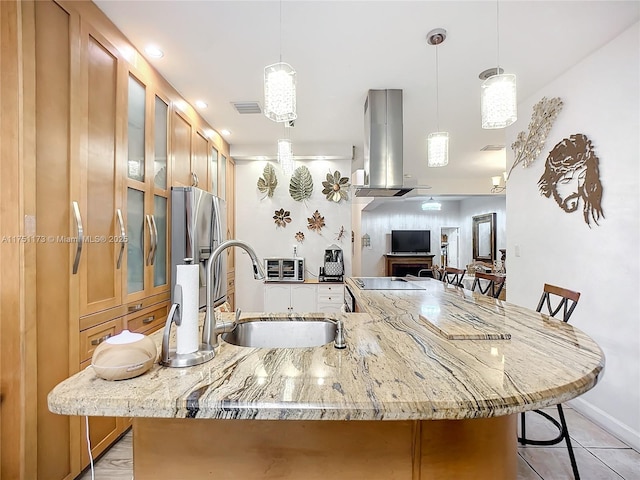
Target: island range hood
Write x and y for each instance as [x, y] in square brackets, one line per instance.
[383, 171]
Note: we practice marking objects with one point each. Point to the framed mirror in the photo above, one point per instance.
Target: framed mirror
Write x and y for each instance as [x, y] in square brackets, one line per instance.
[484, 237]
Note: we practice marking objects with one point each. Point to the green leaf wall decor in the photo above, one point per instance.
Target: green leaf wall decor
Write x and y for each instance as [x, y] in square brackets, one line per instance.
[268, 182]
[301, 184]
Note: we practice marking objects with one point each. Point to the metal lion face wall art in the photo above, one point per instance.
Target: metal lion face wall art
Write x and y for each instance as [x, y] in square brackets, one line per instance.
[572, 175]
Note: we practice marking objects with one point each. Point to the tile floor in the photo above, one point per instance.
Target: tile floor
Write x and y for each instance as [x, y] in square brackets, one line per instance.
[600, 455]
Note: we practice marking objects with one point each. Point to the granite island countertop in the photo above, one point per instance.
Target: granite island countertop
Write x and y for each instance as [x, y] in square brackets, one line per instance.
[398, 365]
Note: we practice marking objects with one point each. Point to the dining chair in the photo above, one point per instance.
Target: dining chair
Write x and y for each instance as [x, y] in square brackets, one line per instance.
[554, 300]
[490, 285]
[453, 276]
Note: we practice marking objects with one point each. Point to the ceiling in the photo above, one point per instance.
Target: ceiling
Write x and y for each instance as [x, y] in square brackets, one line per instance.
[216, 51]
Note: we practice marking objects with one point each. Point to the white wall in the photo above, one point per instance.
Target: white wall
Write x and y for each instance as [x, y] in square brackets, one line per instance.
[255, 224]
[407, 214]
[601, 100]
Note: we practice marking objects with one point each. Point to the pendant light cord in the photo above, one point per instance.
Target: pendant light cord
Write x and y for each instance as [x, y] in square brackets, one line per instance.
[498, 35]
[437, 93]
[280, 46]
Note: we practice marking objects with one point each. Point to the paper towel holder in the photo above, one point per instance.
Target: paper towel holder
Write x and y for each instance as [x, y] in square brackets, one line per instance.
[170, 358]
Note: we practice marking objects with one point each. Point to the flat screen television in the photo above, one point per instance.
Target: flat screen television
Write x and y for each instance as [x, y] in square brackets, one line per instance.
[410, 241]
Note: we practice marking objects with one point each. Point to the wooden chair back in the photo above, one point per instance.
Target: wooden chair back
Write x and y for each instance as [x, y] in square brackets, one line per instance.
[453, 276]
[555, 299]
[491, 286]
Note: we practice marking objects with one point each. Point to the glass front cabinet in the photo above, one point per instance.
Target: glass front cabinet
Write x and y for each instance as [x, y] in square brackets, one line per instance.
[147, 192]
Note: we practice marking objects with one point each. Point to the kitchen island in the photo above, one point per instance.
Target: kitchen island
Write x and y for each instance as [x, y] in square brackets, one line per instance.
[402, 400]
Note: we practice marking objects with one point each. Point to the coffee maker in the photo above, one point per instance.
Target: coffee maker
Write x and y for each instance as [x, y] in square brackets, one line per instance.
[333, 269]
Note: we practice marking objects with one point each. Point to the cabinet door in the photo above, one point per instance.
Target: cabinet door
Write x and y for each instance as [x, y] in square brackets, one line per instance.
[213, 172]
[160, 279]
[100, 279]
[230, 172]
[200, 161]
[277, 298]
[137, 251]
[303, 298]
[181, 151]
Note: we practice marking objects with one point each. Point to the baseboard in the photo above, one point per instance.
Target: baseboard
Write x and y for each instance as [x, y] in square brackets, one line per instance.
[606, 421]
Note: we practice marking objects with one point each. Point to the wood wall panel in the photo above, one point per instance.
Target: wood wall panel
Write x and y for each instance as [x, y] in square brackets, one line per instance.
[18, 408]
[53, 91]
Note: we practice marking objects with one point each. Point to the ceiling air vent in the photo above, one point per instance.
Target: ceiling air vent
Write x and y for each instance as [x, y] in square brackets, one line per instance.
[244, 108]
[492, 148]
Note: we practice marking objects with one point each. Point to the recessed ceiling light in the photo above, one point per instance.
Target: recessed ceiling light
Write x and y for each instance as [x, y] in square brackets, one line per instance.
[225, 132]
[153, 51]
[201, 104]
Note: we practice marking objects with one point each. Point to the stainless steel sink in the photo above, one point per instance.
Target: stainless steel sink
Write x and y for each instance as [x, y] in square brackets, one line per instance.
[266, 333]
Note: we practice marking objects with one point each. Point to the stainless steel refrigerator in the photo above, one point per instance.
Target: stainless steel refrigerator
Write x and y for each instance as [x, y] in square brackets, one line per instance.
[198, 226]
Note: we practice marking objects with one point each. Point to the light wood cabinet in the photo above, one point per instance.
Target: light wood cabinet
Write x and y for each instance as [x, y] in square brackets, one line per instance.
[87, 169]
[190, 147]
[147, 192]
[97, 194]
[181, 137]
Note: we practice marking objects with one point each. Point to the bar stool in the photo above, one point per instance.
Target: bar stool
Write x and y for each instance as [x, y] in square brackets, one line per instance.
[453, 276]
[554, 300]
[492, 285]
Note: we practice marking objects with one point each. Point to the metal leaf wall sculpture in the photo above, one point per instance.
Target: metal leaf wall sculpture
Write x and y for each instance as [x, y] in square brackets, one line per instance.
[528, 145]
[301, 184]
[316, 222]
[300, 237]
[282, 217]
[268, 182]
[335, 188]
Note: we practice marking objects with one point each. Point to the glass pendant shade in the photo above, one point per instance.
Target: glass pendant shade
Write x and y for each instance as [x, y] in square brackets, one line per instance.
[280, 92]
[431, 205]
[438, 149]
[285, 156]
[498, 101]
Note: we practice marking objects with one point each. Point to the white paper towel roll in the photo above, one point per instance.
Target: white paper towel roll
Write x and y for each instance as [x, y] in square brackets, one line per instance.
[187, 337]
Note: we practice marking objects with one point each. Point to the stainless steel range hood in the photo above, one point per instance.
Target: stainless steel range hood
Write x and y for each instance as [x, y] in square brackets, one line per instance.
[383, 170]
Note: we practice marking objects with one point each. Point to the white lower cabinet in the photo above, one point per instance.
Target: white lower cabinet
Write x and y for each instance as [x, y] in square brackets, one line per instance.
[330, 297]
[289, 298]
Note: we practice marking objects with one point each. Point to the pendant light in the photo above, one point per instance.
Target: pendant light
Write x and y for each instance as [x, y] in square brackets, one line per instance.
[280, 88]
[498, 100]
[285, 153]
[438, 142]
[431, 205]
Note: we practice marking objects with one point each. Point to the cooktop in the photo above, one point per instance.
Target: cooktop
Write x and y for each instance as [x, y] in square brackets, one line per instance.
[385, 283]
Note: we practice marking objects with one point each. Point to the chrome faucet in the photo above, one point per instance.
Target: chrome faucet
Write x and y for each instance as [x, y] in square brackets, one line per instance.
[210, 330]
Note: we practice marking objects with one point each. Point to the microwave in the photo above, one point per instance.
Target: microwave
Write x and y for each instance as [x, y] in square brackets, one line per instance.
[284, 269]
